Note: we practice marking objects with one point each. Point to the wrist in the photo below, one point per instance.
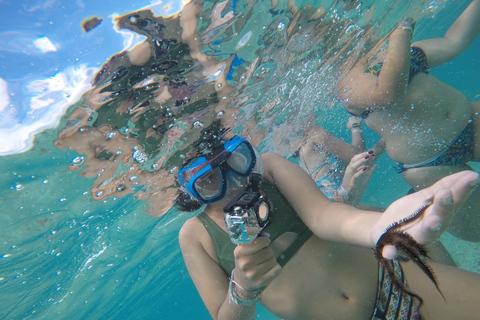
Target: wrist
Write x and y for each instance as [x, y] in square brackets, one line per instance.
[343, 194]
[239, 295]
[407, 24]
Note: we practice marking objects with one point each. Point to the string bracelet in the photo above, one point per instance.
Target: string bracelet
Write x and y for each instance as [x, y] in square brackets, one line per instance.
[407, 24]
[343, 193]
[235, 298]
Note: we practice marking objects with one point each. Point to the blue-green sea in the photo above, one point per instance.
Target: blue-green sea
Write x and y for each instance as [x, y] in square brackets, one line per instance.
[74, 247]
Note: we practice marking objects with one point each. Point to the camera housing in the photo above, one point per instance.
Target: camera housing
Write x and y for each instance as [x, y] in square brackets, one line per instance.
[246, 216]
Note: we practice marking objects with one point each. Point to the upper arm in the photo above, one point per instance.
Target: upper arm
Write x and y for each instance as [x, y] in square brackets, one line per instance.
[360, 89]
[457, 39]
[208, 277]
[440, 50]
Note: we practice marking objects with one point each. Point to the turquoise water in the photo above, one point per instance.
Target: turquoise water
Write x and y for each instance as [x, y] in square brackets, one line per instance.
[75, 246]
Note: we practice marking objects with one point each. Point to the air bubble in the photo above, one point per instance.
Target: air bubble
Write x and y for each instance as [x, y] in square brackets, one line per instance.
[18, 186]
[78, 160]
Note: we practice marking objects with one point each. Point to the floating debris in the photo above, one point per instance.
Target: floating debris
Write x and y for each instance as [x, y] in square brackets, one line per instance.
[91, 23]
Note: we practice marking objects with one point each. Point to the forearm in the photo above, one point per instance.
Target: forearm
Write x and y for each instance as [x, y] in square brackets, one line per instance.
[456, 40]
[466, 28]
[345, 224]
[393, 79]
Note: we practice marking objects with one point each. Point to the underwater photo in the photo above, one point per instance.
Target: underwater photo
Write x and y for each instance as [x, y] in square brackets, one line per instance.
[134, 136]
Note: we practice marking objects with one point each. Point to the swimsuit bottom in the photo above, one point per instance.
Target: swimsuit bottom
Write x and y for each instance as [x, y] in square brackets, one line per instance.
[458, 153]
[391, 304]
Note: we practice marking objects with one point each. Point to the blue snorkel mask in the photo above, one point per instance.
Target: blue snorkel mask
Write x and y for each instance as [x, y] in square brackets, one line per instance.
[208, 178]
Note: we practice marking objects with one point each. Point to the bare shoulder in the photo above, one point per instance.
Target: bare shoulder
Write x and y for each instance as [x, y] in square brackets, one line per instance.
[190, 232]
[194, 238]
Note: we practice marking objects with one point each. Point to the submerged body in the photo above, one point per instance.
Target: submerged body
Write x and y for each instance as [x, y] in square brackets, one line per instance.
[419, 116]
[325, 157]
[449, 112]
[326, 278]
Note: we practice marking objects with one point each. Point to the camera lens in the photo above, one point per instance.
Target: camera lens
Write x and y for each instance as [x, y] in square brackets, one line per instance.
[263, 211]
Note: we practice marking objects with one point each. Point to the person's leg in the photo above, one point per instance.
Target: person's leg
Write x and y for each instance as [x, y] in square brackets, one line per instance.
[460, 288]
[438, 253]
[476, 129]
[330, 144]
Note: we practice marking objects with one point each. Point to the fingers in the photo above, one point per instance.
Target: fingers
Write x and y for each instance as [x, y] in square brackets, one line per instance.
[435, 218]
[446, 196]
[389, 252]
[352, 120]
[460, 185]
[255, 264]
[261, 242]
[362, 159]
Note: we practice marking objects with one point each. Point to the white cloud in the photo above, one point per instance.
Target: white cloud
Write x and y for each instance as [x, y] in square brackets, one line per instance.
[4, 96]
[44, 45]
[49, 99]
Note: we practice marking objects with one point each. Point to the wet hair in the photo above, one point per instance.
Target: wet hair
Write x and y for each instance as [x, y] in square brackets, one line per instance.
[184, 202]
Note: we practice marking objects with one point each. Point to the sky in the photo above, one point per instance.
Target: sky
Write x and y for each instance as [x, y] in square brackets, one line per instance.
[48, 61]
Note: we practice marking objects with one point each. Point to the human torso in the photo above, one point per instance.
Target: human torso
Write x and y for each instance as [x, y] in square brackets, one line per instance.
[420, 125]
[324, 281]
[321, 281]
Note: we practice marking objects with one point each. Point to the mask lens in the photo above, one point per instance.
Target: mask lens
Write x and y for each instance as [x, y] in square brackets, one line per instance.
[209, 184]
[241, 160]
[187, 174]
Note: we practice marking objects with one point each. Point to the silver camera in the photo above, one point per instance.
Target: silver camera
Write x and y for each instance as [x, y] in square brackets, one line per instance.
[246, 216]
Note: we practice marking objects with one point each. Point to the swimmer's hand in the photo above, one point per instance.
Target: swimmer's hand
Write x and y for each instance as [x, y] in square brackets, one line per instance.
[354, 123]
[357, 176]
[446, 196]
[255, 264]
